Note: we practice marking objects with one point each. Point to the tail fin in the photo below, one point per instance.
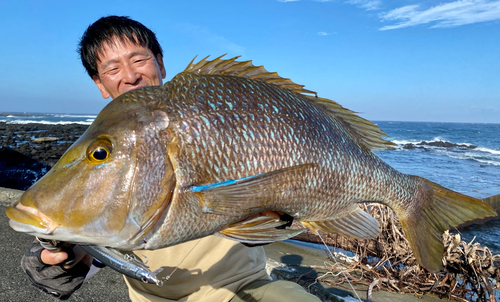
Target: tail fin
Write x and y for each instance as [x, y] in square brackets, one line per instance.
[437, 210]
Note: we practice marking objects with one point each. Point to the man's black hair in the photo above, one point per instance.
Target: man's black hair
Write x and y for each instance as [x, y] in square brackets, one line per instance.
[105, 30]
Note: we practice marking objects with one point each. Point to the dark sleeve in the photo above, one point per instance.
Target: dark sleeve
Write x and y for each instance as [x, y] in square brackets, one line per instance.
[52, 279]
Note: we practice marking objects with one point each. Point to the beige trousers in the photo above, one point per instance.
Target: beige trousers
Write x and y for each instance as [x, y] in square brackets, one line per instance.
[269, 291]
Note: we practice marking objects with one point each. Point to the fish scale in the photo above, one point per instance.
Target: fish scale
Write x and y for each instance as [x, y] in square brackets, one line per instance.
[268, 139]
[221, 142]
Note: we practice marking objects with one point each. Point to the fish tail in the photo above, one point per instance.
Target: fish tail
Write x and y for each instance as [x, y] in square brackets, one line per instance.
[435, 210]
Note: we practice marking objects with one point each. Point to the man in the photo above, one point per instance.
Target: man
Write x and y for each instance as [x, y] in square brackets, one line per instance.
[120, 55]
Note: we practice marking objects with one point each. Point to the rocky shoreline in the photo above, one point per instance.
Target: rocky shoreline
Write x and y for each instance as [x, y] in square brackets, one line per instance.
[28, 151]
[440, 144]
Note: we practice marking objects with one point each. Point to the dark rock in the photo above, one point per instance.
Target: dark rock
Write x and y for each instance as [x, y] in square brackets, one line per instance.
[23, 162]
[409, 146]
[18, 171]
[441, 144]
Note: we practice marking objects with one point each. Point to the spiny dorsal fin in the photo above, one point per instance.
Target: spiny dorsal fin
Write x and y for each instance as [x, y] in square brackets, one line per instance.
[244, 69]
[363, 131]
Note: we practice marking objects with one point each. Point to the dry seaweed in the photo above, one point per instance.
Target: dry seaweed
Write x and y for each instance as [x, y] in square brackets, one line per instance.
[470, 271]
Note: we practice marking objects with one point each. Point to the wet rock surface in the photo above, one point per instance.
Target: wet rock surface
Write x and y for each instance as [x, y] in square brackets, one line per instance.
[440, 144]
[28, 151]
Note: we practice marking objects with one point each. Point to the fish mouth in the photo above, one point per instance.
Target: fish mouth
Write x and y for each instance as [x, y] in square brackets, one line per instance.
[30, 220]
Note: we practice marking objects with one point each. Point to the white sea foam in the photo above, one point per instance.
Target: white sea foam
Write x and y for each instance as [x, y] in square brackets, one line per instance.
[478, 155]
[435, 140]
[489, 162]
[47, 122]
[486, 150]
[48, 118]
[404, 142]
[477, 158]
[73, 115]
[482, 155]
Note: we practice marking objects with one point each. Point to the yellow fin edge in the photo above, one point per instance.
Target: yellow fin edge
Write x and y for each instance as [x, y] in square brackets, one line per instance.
[440, 209]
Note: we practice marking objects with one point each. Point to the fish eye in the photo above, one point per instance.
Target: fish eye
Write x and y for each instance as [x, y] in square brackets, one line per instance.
[100, 154]
[99, 150]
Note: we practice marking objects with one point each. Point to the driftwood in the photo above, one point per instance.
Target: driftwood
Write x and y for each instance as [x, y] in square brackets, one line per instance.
[470, 271]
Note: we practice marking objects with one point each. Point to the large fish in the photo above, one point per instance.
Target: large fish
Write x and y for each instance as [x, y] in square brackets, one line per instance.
[219, 143]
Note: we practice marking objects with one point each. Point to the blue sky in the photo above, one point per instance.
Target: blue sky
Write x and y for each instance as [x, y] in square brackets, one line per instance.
[405, 60]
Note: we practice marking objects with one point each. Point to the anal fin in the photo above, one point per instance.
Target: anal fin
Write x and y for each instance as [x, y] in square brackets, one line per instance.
[258, 229]
[356, 224]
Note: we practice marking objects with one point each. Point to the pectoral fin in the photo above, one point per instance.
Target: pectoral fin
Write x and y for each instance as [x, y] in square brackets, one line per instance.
[355, 224]
[244, 194]
[257, 230]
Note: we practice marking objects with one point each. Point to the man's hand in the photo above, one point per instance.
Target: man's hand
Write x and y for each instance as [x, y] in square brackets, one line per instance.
[58, 272]
[53, 257]
[58, 256]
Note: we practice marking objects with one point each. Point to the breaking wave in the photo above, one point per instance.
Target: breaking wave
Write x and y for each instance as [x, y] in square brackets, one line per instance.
[461, 151]
[47, 118]
[93, 116]
[86, 122]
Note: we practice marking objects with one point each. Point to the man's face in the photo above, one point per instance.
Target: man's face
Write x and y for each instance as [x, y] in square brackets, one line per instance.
[123, 66]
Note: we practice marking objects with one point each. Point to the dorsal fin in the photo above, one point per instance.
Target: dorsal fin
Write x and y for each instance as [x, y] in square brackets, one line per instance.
[244, 69]
[363, 131]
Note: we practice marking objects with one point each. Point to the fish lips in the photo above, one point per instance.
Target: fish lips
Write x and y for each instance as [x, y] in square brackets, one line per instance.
[60, 233]
[26, 219]
[29, 220]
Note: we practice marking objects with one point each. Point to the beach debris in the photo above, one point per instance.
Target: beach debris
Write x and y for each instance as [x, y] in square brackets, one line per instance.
[470, 272]
[44, 139]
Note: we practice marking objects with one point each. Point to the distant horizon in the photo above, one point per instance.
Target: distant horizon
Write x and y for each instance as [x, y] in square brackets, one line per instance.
[5, 113]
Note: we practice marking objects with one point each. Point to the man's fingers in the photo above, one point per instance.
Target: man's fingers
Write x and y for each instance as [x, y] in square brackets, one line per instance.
[80, 255]
[53, 257]
[58, 256]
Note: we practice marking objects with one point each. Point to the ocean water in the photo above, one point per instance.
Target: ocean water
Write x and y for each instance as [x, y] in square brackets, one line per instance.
[46, 118]
[464, 157]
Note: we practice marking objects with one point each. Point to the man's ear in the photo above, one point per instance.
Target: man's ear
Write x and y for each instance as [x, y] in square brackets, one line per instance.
[99, 85]
[159, 60]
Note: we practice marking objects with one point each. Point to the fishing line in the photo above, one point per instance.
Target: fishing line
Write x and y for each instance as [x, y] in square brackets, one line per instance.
[338, 265]
[170, 275]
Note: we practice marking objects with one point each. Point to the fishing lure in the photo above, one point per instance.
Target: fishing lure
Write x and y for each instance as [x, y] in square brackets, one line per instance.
[126, 264]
